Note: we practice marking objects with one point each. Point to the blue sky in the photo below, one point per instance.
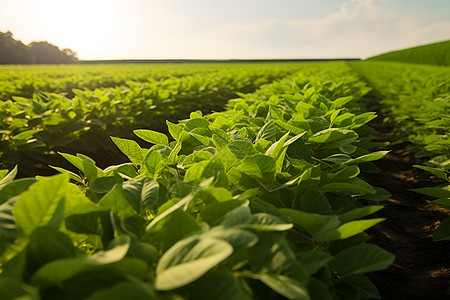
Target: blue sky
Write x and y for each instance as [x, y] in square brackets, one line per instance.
[120, 29]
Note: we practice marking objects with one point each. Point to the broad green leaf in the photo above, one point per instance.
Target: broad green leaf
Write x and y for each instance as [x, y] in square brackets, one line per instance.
[267, 132]
[8, 226]
[238, 238]
[439, 173]
[267, 222]
[353, 185]
[175, 227]
[241, 148]
[341, 102]
[331, 135]
[360, 212]
[368, 157]
[15, 188]
[84, 164]
[141, 193]
[442, 233]
[217, 285]
[275, 149]
[102, 185]
[184, 201]
[311, 200]
[350, 229]
[125, 290]
[42, 204]
[152, 164]
[197, 122]
[151, 136]
[59, 270]
[174, 130]
[188, 260]
[48, 244]
[71, 174]
[174, 153]
[360, 259]
[130, 148]
[260, 166]
[215, 212]
[380, 195]
[239, 216]
[436, 192]
[8, 178]
[12, 288]
[116, 201]
[313, 260]
[285, 286]
[366, 289]
[273, 262]
[310, 222]
[443, 201]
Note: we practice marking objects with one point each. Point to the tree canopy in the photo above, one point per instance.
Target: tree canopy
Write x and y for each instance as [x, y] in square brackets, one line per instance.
[15, 52]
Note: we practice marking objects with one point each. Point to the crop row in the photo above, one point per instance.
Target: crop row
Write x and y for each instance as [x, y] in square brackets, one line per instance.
[33, 129]
[24, 81]
[261, 201]
[416, 99]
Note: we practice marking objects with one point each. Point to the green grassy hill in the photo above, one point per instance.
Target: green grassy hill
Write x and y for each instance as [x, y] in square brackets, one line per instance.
[431, 54]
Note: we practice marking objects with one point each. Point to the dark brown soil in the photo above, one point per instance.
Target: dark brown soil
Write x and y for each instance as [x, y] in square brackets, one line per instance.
[421, 269]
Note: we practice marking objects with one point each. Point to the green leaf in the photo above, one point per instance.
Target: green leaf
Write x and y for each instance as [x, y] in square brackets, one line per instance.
[442, 233]
[238, 238]
[311, 200]
[115, 200]
[42, 204]
[72, 175]
[353, 185]
[380, 195]
[311, 222]
[152, 164]
[15, 188]
[268, 132]
[215, 212]
[360, 259]
[241, 148]
[260, 166]
[359, 213]
[436, 192]
[365, 288]
[174, 130]
[125, 290]
[11, 288]
[141, 193]
[152, 136]
[439, 173]
[267, 222]
[285, 286]
[350, 229]
[217, 285]
[48, 244]
[238, 216]
[313, 260]
[188, 260]
[331, 135]
[368, 157]
[130, 148]
[273, 262]
[60, 270]
[8, 178]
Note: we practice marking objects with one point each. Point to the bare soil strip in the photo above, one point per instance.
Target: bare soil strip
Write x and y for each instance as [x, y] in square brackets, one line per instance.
[421, 269]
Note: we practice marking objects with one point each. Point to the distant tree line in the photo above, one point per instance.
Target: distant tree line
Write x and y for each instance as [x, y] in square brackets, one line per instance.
[15, 52]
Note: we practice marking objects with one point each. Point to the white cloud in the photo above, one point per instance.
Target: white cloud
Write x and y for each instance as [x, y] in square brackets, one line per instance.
[360, 28]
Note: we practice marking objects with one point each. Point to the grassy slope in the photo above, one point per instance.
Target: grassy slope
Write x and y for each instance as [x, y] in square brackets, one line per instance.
[432, 54]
